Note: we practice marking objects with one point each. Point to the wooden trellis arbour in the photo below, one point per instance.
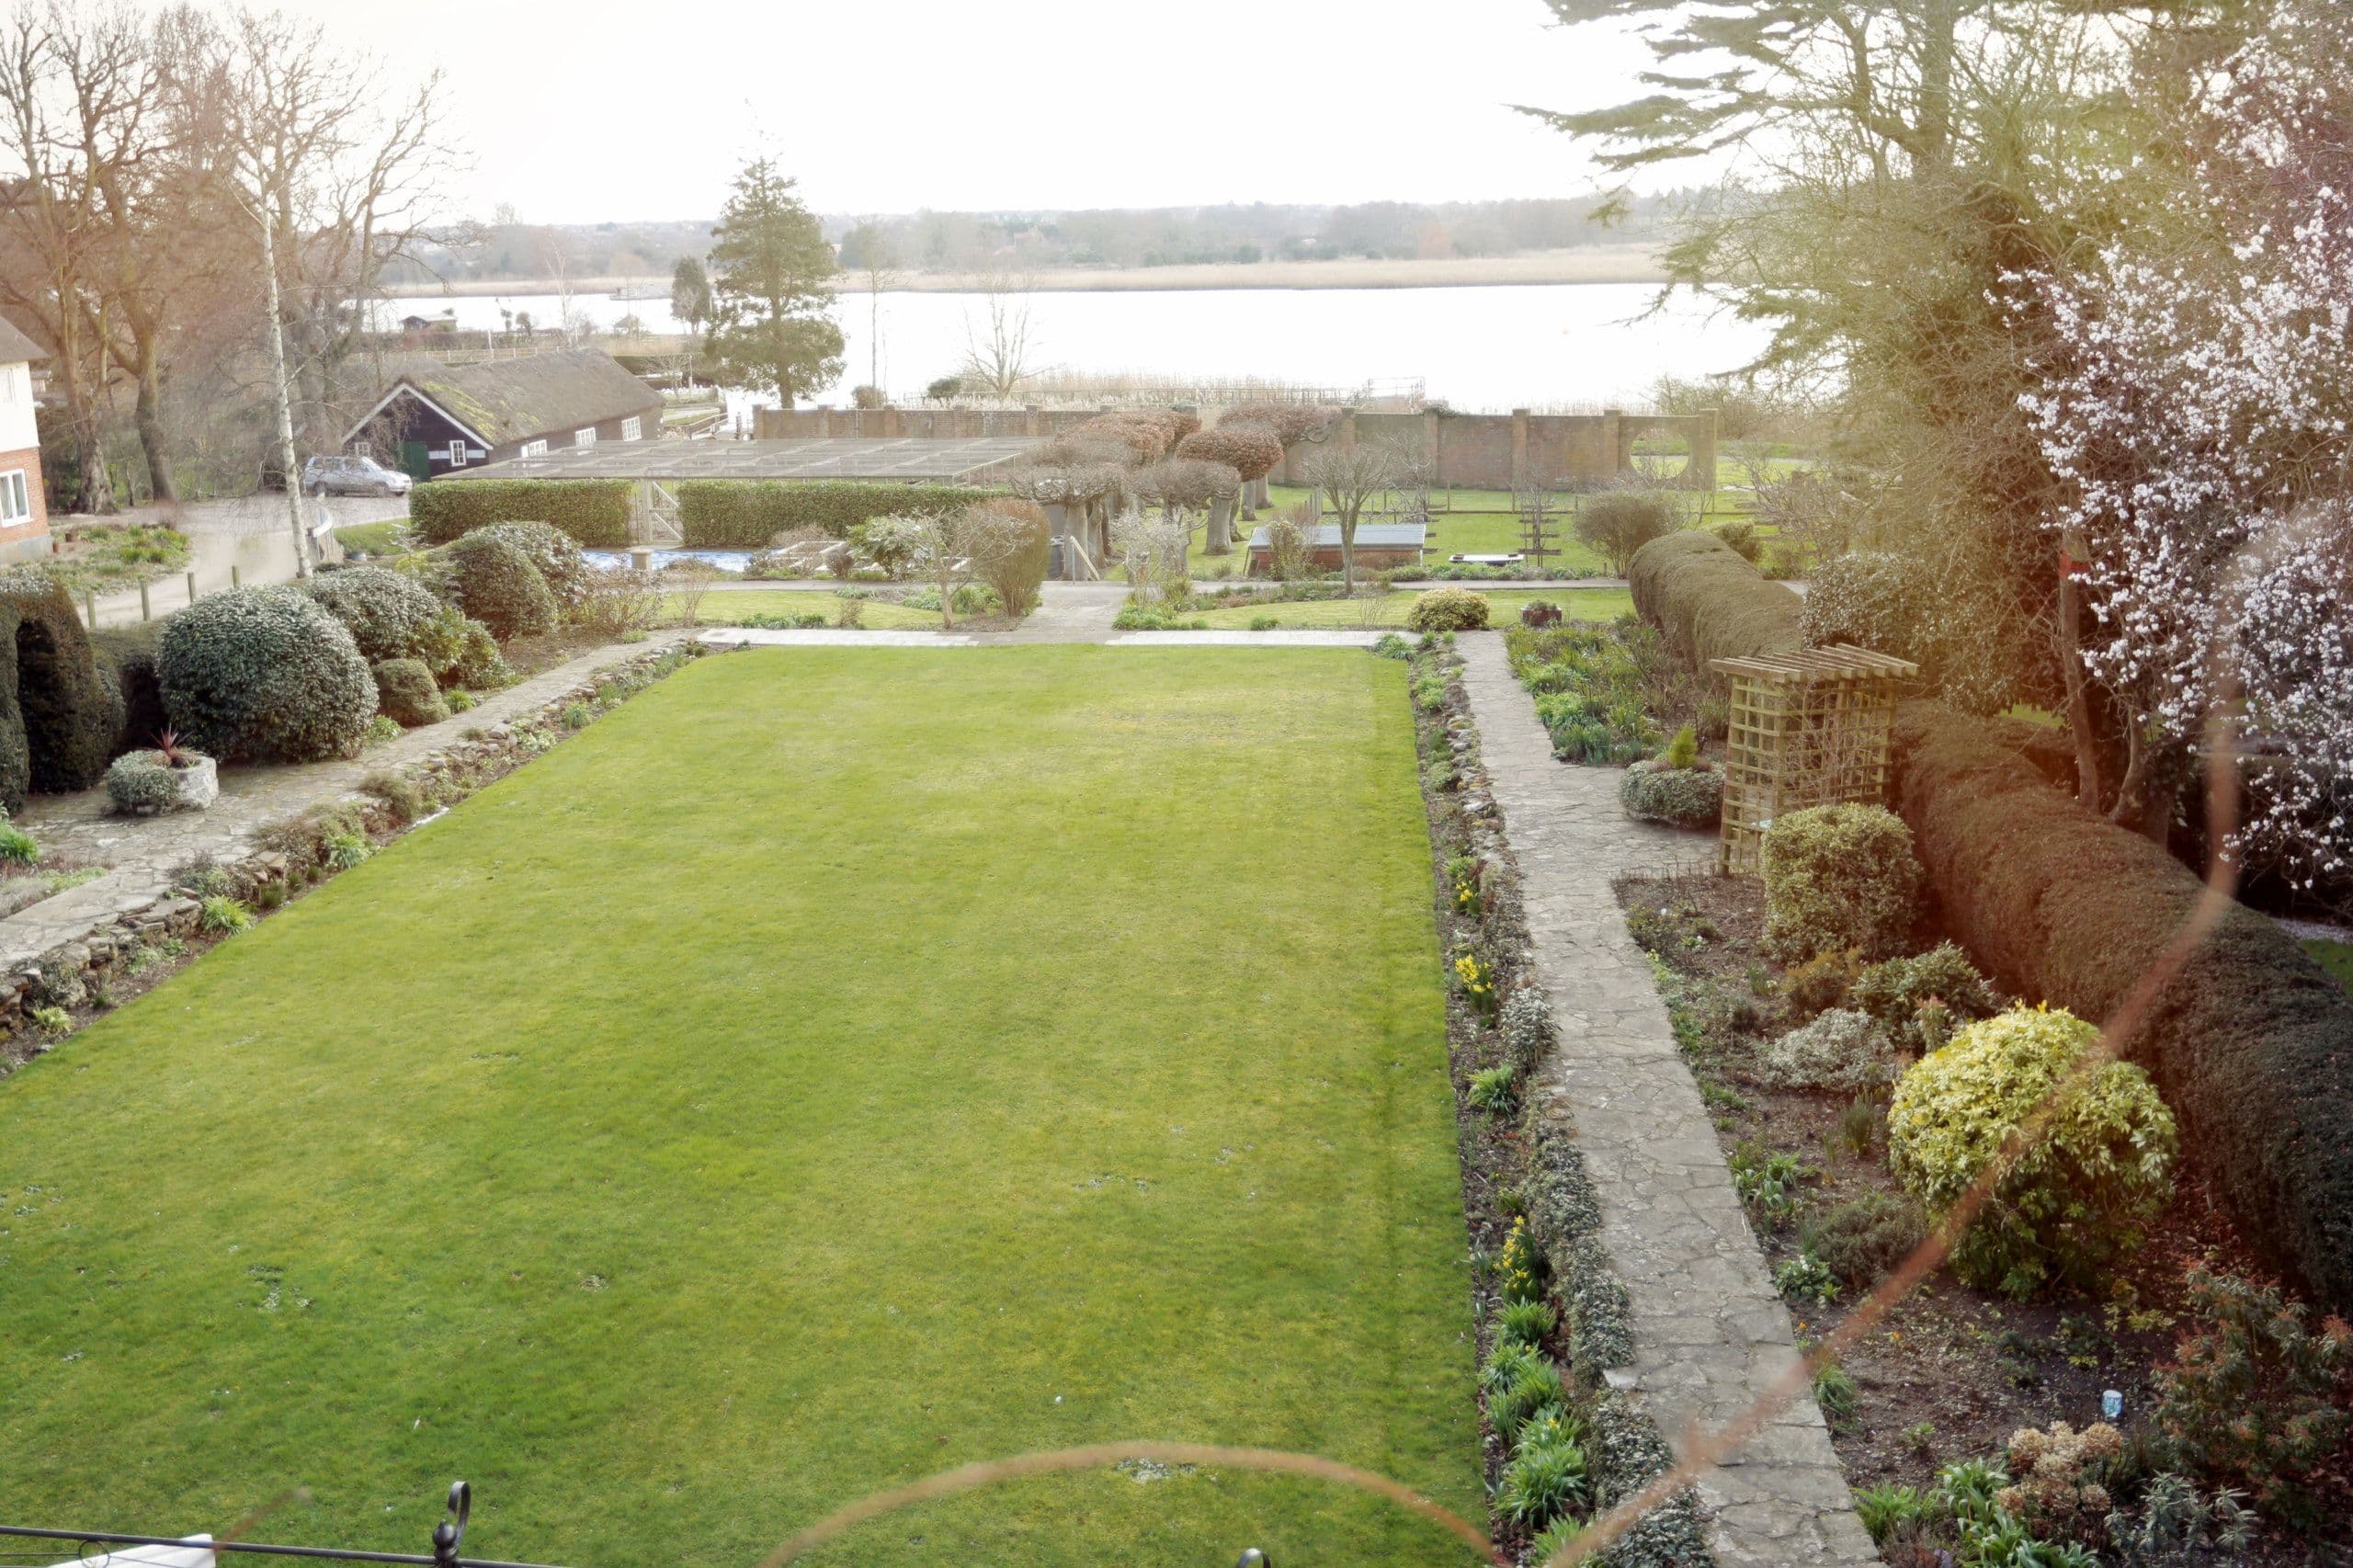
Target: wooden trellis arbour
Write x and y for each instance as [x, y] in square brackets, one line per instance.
[1808, 729]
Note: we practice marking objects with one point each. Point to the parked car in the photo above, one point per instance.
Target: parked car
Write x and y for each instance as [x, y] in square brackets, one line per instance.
[353, 476]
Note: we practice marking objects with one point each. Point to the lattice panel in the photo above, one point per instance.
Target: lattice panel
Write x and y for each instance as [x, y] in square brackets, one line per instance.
[1808, 729]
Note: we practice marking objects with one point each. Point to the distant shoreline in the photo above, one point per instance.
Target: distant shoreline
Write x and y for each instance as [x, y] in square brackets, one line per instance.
[1597, 264]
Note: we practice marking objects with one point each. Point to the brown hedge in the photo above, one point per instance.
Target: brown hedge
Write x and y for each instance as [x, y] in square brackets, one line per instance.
[2251, 1043]
[1709, 602]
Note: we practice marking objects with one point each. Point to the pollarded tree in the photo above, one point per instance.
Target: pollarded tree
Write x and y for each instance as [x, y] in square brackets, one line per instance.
[1251, 451]
[1145, 438]
[772, 314]
[1182, 486]
[1291, 423]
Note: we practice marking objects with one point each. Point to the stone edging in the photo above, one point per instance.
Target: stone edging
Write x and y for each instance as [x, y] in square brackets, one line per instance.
[1647, 1195]
[66, 973]
[1626, 1451]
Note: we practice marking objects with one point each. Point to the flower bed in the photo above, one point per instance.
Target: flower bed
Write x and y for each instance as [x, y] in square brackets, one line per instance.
[1925, 1406]
[1560, 1445]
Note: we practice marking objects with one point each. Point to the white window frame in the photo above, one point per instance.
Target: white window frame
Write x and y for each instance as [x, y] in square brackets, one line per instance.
[632, 428]
[457, 454]
[584, 438]
[10, 376]
[535, 449]
[16, 499]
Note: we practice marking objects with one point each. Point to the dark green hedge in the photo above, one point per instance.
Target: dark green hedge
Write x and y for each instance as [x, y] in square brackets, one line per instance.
[1709, 602]
[265, 675]
[736, 514]
[127, 654]
[58, 713]
[594, 511]
[2251, 1043]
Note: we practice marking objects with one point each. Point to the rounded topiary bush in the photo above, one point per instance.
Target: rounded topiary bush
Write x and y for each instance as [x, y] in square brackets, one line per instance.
[263, 675]
[496, 583]
[1447, 609]
[555, 553]
[2078, 1194]
[1838, 877]
[406, 694]
[386, 612]
[1682, 796]
[143, 783]
[1920, 1000]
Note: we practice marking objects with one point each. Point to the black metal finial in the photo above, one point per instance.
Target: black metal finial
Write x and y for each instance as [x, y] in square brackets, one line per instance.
[450, 1533]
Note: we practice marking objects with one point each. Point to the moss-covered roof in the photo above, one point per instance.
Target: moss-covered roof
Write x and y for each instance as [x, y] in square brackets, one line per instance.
[540, 394]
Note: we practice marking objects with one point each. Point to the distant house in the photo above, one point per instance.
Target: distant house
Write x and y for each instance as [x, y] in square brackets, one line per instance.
[444, 324]
[436, 419]
[24, 510]
[1379, 547]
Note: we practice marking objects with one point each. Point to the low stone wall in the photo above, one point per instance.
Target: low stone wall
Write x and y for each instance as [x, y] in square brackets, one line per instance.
[67, 974]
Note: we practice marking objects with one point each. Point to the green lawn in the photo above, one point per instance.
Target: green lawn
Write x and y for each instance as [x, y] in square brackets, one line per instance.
[729, 608]
[832, 1067]
[376, 538]
[2334, 957]
[1504, 606]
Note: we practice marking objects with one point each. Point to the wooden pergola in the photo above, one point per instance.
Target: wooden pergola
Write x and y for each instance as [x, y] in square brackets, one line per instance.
[1808, 729]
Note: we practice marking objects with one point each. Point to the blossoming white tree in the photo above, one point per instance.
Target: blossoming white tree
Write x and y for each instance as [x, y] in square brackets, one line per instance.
[2200, 416]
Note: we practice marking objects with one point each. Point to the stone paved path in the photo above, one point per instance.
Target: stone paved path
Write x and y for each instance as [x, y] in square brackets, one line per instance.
[1710, 1334]
[142, 852]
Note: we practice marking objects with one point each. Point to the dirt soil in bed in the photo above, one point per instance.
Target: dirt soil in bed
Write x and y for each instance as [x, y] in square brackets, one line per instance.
[1951, 1371]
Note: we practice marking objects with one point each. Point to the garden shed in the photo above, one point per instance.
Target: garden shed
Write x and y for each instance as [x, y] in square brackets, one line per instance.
[1808, 728]
[1379, 547]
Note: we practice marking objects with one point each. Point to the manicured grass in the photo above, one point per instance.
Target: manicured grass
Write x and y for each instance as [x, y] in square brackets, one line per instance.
[1503, 606]
[376, 538]
[728, 609]
[2334, 957]
[832, 1067]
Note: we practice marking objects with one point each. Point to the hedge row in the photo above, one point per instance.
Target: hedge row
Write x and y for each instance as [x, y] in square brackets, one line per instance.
[2251, 1043]
[736, 514]
[1711, 603]
[58, 713]
[594, 511]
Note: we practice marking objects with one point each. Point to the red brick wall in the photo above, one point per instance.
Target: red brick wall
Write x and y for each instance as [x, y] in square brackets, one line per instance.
[28, 459]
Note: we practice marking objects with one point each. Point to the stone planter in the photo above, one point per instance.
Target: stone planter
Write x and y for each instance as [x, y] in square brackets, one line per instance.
[142, 784]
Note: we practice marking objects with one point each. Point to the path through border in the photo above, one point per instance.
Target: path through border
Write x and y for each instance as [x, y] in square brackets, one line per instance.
[1710, 1334]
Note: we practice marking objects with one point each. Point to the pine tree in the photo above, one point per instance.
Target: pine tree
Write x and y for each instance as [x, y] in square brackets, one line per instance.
[772, 315]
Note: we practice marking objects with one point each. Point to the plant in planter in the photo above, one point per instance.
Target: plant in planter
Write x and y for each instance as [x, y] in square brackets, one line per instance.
[170, 777]
[1678, 787]
[1540, 612]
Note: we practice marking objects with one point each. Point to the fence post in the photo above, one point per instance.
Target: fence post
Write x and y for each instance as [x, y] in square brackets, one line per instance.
[144, 613]
[234, 574]
[90, 609]
[191, 587]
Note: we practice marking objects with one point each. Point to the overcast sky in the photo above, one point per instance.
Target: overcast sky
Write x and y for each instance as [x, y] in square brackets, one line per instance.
[597, 110]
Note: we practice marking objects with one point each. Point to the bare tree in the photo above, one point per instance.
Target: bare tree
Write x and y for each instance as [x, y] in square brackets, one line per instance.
[1349, 477]
[997, 347]
[80, 94]
[878, 265]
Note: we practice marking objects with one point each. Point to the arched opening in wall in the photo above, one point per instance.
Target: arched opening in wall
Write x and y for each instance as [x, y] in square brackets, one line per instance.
[40, 696]
[1660, 455]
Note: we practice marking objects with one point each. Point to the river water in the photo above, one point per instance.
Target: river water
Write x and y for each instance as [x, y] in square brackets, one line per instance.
[1564, 346]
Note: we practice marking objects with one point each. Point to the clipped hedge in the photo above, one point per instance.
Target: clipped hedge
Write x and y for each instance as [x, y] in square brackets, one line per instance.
[1711, 603]
[737, 514]
[406, 695]
[386, 612]
[265, 675]
[60, 715]
[553, 551]
[496, 583]
[593, 511]
[126, 655]
[2251, 1043]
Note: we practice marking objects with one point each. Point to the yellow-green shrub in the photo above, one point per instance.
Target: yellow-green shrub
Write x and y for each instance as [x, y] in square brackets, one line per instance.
[2078, 1193]
[1838, 877]
[1447, 609]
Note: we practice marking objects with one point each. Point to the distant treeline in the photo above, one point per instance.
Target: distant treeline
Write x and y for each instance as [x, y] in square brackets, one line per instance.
[1160, 236]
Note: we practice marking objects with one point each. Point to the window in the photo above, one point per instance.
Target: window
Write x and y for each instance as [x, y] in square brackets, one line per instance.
[364, 449]
[632, 428]
[584, 438]
[9, 376]
[16, 499]
[457, 454]
[535, 449]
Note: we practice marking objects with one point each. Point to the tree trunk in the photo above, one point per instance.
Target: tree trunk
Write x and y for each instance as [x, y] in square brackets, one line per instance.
[1220, 527]
[285, 397]
[2088, 781]
[149, 416]
[1347, 555]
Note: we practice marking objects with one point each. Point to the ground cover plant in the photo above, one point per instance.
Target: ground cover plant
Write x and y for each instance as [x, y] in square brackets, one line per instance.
[787, 607]
[783, 1179]
[1391, 609]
